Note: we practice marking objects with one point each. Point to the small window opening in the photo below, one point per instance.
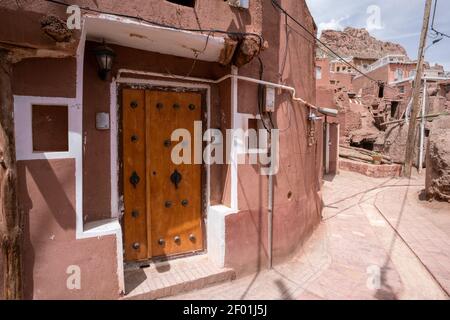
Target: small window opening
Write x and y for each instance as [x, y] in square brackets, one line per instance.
[394, 108]
[318, 73]
[381, 90]
[186, 3]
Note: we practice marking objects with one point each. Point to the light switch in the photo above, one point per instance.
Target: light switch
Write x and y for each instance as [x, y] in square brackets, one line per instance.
[102, 121]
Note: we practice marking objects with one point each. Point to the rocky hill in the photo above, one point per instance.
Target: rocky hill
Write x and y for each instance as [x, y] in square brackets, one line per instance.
[353, 42]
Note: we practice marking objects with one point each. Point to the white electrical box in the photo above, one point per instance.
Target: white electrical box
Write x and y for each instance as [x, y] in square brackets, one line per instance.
[102, 121]
[269, 99]
[239, 3]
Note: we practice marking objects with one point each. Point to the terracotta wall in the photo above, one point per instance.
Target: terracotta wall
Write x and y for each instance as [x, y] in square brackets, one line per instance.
[45, 77]
[324, 64]
[381, 74]
[207, 14]
[297, 203]
[47, 196]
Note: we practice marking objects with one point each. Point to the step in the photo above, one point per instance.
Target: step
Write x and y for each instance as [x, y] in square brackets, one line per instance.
[169, 278]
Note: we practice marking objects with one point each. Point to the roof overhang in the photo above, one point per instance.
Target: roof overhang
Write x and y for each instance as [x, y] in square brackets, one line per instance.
[144, 36]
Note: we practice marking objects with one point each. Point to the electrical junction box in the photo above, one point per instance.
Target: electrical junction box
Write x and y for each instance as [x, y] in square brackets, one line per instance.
[269, 99]
[239, 3]
[102, 121]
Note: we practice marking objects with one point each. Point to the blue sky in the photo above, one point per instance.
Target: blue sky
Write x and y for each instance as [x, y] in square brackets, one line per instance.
[399, 21]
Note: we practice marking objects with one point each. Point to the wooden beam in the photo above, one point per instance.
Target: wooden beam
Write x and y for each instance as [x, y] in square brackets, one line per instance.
[11, 218]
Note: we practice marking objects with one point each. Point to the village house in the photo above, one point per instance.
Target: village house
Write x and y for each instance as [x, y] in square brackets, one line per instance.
[94, 110]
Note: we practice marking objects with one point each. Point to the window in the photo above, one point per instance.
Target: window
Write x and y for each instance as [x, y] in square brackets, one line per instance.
[399, 74]
[318, 73]
[394, 108]
[186, 3]
[50, 128]
[401, 89]
[338, 69]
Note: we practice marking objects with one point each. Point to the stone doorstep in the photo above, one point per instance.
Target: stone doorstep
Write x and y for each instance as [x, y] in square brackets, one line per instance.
[170, 278]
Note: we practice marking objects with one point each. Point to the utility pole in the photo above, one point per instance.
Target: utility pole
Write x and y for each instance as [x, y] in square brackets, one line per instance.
[412, 131]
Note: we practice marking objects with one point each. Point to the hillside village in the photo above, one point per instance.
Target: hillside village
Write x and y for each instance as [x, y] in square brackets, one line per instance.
[373, 110]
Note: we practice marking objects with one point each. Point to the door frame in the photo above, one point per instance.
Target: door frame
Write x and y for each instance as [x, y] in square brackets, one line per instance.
[117, 205]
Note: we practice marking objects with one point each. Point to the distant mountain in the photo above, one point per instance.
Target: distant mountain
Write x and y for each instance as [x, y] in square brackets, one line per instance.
[353, 42]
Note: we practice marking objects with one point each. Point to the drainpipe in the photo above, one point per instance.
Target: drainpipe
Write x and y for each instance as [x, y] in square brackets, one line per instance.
[270, 217]
[422, 126]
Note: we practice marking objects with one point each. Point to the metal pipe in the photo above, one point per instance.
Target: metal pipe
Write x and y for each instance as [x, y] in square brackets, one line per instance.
[327, 147]
[257, 81]
[422, 126]
[270, 222]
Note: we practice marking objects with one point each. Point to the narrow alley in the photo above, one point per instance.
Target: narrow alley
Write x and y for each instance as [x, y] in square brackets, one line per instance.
[377, 240]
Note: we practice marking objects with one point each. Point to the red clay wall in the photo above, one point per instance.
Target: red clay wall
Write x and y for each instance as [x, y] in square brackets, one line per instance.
[297, 204]
[59, 79]
[47, 196]
[381, 74]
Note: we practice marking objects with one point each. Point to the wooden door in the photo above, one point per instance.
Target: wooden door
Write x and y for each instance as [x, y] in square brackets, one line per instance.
[163, 203]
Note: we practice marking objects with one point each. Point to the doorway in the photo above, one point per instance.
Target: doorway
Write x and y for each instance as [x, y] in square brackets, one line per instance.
[163, 205]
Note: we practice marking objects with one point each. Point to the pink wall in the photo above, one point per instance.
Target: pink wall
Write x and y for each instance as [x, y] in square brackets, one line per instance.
[47, 196]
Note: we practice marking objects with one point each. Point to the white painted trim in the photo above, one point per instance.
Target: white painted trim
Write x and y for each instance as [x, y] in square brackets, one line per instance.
[23, 127]
[234, 145]
[216, 234]
[114, 147]
[327, 147]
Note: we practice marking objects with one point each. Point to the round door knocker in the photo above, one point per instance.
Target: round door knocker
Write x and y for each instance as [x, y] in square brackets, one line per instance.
[192, 107]
[159, 106]
[168, 204]
[184, 203]
[177, 239]
[134, 104]
[176, 106]
[134, 138]
[161, 242]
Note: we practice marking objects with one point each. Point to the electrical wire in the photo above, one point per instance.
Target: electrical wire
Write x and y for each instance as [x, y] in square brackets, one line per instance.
[438, 33]
[140, 19]
[280, 8]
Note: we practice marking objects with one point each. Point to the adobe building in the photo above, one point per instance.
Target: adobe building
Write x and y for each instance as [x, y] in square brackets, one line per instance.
[97, 187]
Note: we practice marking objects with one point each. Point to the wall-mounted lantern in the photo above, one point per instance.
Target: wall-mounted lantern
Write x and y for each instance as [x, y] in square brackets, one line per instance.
[105, 58]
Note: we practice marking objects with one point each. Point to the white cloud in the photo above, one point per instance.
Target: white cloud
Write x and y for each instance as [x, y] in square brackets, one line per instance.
[333, 24]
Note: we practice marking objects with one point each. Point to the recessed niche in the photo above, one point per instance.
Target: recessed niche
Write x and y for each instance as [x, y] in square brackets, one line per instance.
[50, 128]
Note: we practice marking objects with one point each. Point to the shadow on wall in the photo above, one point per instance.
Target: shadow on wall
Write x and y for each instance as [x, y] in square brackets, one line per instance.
[49, 214]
